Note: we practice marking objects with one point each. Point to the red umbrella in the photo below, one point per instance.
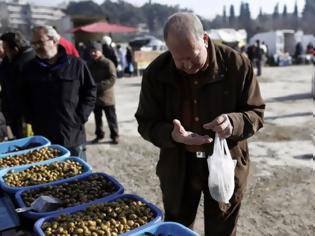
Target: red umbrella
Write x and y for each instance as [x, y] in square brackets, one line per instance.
[103, 27]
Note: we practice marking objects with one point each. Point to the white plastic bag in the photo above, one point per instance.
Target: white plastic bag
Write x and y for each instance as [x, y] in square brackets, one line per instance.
[221, 171]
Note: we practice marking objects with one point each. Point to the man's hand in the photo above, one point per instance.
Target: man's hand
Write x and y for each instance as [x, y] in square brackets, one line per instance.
[180, 135]
[221, 125]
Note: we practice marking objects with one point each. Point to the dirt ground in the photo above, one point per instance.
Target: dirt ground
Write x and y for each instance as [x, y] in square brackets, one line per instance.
[281, 189]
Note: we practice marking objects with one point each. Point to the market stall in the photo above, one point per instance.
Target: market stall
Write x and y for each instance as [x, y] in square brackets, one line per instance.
[44, 191]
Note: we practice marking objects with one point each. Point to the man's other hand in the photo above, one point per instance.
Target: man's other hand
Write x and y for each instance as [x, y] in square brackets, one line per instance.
[180, 135]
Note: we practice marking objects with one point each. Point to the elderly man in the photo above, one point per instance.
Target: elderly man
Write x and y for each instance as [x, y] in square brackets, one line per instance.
[188, 94]
[104, 73]
[59, 92]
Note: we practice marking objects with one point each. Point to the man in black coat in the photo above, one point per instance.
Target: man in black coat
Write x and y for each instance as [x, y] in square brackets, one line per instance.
[17, 54]
[108, 50]
[59, 92]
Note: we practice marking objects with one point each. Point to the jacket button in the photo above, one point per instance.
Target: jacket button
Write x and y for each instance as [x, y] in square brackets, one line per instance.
[195, 101]
[196, 82]
[196, 118]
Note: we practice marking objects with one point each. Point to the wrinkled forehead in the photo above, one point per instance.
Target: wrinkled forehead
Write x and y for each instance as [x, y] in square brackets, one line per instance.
[39, 34]
[178, 42]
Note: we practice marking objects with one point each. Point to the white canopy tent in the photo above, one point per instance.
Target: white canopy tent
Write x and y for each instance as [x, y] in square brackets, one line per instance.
[229, 36]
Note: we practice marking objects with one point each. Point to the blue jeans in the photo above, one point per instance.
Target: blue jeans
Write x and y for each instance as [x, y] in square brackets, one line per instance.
[78, 151]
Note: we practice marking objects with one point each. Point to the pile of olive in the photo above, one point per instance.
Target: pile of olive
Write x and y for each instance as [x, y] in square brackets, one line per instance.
[41, 154]
[110, 219]
[43, 173]
[75, 192]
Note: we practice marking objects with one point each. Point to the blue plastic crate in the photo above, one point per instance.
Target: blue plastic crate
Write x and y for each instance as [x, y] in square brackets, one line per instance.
[8, 217]
[12, 190]
[36, 215]
[64, 153]
[165, 229]
[9, 145]
[158, 215]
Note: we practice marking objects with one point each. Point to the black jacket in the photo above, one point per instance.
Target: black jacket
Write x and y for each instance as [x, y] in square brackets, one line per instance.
[109, 53]
[10, 78]
[59, 98]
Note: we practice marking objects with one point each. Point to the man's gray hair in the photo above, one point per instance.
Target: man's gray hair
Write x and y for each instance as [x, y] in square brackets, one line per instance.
[184, 23]
[49, 30]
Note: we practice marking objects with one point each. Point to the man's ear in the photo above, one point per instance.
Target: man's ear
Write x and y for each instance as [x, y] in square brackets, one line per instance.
[205, 37]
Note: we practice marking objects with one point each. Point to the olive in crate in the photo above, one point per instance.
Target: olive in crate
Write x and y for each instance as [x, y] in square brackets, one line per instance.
[75, 192]
[112, 218]
[41, 154]
[43, 173]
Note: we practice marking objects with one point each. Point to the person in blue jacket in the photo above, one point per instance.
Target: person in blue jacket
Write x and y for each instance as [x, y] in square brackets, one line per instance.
[59, 92]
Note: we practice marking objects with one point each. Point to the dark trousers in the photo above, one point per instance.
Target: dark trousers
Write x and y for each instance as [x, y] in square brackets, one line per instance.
[16, 125]
[110, 113]
[78, 151]
[219, 219]
[258, 65]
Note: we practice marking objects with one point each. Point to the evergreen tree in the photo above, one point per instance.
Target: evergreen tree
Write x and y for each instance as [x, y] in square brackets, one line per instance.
[308, 16]
[247, 12]
[296, 12]
[232, 16]
[309, 8]
[295, 21]
[224, 16]
[242, 12]
[275, 14]
[260, 15]
[284, 13]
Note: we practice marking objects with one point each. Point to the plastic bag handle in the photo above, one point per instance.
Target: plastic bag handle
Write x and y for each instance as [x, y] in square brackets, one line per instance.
[218, 147]
[221, 147]
[227, 150]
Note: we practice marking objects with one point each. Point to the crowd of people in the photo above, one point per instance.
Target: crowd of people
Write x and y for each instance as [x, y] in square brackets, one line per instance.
[122, 57]
[50, 84]
[189, 94]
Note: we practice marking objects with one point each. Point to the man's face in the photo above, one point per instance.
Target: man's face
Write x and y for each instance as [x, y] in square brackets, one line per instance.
[95, 54]
[44, 46]
[190, 55]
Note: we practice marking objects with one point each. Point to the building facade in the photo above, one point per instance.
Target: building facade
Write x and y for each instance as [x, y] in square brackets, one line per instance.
[21, 15]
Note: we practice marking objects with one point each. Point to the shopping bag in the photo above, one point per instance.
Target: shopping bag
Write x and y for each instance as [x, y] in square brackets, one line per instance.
[221, 171]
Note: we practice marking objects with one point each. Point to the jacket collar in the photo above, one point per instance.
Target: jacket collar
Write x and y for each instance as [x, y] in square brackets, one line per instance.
[61, 60]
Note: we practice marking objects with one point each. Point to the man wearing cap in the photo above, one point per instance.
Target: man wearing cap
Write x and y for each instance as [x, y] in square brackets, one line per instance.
[104, 72]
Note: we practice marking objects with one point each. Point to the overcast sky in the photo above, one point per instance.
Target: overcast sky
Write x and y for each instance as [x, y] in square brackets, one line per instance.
[210, 8]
